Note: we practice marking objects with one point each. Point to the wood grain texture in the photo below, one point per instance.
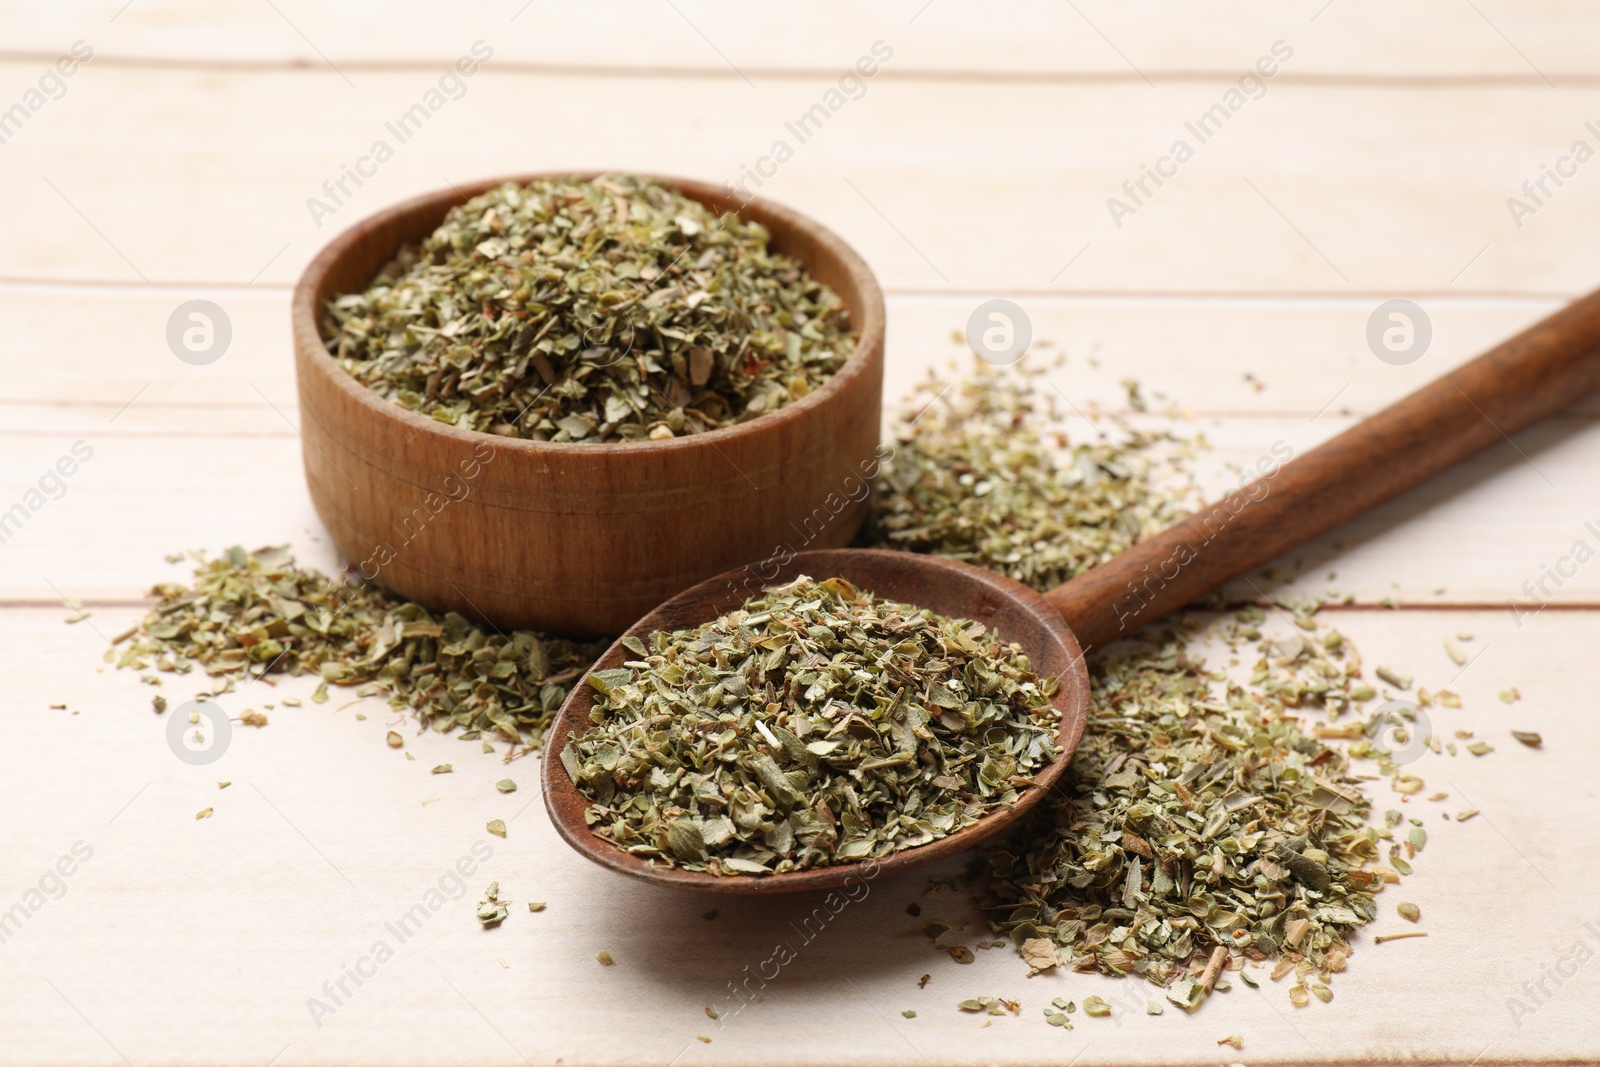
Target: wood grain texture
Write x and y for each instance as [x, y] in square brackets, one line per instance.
[1015, 40]
[1012, 611]
[1414, 203]
[1287, 503]
[579, 538]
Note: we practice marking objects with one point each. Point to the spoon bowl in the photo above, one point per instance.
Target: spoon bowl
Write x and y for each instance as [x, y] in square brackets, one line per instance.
[1012, 610]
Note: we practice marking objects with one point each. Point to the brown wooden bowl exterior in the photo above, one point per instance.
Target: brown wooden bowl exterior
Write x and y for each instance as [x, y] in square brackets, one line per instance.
[949, 587]
[575, 538]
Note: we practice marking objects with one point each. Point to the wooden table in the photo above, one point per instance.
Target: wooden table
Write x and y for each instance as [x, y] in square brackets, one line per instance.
[198, 155]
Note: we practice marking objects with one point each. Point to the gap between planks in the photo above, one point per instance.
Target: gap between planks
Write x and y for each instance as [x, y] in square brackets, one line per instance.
[1331, 79]
[188, 288]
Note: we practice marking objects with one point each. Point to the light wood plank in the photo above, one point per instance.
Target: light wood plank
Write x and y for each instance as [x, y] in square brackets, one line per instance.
[1458, 539]
[209, 456]
[220, 930]
[199, 176]
[1008, 39]
[72, 347]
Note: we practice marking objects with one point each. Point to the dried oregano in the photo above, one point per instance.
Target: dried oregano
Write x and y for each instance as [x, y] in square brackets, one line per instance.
[982, 471]
[251, 613]
[816, 725]
[604, 310]
[1203, 821]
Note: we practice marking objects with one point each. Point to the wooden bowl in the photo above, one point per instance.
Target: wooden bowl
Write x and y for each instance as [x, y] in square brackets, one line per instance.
[579, 538]
[951, 588]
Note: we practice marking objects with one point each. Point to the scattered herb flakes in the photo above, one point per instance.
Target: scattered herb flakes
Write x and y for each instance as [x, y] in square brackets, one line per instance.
[158, 702]
[1154, 1007]
[908, 1014]
[843, 727]
[922, 983]
[991, 1005]
[1480, 748]
[251, 717]
[492, 911]
[1236, 1040]
[1528, 737]
[506, 785]
[1039, 953]
[1202, 818]
[539, 905]
[1453, 650]
[1096, 1006]
[1408, 911]
[251, 613]
[982, 471]
[604, 958]
[443, 768]
[1510, 696]
[1381, 938]
[204, 813]
[961, 954]
[497, 827]
[394, 739]
[1465, 815]
[605, 310]
[1393, 677]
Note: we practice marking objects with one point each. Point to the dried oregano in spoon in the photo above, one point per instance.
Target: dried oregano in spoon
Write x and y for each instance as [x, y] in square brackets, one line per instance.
[816, 725]
[608, 310]
[249, 614]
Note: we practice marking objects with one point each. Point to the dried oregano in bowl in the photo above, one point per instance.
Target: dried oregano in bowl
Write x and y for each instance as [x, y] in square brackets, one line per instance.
[570, 310]
[816, 725]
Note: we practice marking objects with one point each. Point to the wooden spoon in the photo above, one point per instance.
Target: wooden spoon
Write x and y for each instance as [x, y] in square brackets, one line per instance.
[1512, 386]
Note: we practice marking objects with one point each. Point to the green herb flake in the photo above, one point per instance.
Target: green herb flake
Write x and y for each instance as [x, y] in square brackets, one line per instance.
[817, 725]
[613, 309]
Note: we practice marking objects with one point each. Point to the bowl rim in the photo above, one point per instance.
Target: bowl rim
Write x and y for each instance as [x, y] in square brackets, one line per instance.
[307, 337]
[564, 802]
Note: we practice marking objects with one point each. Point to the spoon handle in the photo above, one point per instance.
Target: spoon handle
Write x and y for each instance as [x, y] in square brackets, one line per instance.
[1515, 384]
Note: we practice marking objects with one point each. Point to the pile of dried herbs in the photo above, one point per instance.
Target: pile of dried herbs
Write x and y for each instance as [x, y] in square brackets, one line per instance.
[982, 471]
[816, 725]
[606, 310]
[1204, 822]
[248, 614]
